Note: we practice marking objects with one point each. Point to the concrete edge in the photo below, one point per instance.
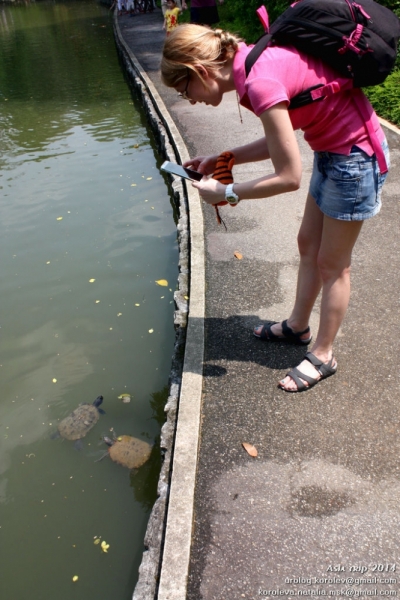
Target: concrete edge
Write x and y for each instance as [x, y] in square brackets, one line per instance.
[164, 570]
[389, 125]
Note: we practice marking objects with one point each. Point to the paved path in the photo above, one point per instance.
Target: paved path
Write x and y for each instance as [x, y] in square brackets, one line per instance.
[324, 490]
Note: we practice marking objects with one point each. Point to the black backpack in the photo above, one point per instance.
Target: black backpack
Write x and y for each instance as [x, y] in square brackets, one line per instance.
[357, 38]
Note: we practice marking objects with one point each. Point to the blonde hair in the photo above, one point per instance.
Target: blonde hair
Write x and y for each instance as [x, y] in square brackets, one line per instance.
[189, 46]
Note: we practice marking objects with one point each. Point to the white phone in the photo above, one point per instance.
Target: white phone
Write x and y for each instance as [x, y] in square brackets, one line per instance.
[171, 167]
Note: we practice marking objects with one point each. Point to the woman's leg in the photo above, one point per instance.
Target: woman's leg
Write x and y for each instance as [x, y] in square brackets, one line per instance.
[308, 278]
[333, 261]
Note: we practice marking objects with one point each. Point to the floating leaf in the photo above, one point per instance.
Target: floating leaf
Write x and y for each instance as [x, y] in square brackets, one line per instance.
[163, 282]
[136, 145]
[105, 546]
[125, 398]
[75, 578]
[250, 449]
[238, 255]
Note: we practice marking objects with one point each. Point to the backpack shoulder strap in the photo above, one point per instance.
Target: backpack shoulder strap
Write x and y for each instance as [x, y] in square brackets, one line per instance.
[256, 52]
[364, 109]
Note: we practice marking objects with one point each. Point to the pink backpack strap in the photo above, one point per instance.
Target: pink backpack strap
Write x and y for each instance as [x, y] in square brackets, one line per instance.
[262, 14]
[365, 111]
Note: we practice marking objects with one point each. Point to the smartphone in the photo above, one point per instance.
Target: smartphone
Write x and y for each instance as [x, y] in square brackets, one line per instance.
[171, 167]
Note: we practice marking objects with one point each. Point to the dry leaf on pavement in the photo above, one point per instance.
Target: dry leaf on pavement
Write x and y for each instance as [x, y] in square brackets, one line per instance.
[250, 449]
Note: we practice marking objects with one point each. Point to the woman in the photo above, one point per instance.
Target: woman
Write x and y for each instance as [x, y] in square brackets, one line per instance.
[204, 12]
[345, 188]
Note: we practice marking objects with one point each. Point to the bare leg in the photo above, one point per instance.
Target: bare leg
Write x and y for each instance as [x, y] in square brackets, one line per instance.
[308, 279]
[337, 239]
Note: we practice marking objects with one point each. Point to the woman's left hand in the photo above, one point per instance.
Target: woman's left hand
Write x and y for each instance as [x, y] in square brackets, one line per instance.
[210, 190]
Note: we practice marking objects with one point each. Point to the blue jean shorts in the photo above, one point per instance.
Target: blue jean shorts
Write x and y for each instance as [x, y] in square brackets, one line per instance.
[348, 188]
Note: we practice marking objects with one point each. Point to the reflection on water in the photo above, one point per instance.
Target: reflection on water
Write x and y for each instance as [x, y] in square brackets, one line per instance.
[86, 229]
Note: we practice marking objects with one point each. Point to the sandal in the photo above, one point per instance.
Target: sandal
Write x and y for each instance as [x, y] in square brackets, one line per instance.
[324, 369]
[288, 335]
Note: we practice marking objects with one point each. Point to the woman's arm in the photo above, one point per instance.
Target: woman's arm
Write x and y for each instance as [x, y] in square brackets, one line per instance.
[281, 144]
[252, 152]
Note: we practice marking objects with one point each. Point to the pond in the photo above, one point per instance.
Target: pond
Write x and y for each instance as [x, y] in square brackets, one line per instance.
[87, 229]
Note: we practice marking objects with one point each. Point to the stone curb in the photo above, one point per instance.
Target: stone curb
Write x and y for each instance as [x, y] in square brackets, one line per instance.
[164, 569]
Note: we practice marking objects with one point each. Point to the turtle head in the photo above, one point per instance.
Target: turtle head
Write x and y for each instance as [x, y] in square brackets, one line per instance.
[108, 441]
[98, 401]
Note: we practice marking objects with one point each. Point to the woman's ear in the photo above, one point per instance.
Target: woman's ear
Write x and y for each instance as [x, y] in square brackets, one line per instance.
[202, 71]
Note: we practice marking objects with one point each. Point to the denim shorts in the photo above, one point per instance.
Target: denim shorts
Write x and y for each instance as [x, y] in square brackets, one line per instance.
[348, 188]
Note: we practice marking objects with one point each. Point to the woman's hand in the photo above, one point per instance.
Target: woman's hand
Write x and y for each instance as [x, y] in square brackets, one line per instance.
[202, 164]
[210, 190]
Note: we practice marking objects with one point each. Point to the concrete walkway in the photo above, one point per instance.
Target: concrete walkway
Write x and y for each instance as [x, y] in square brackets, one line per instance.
[321, 502]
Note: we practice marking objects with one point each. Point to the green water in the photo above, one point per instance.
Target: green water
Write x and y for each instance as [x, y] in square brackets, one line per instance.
[86, 229]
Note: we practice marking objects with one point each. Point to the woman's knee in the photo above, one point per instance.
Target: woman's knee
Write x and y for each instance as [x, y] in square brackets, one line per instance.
[332, 268]
[308, 247]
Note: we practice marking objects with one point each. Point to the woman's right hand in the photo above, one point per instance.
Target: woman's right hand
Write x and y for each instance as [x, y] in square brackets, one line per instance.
[202, 164]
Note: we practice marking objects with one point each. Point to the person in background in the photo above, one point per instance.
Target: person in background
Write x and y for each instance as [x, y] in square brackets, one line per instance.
[203, 64]
[179, 4]
[204, 12]
[171, 16]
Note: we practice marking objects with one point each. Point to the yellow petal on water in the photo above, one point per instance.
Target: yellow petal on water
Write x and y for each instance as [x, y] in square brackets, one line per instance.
[151, 330]
[105, 546]
[75, 578]
[96, 541]
[186, 297]
[148, 178]
[133, 184]
[97, 301]
[136, 145]
[119, 315]
[92, 280]
[163, 282]
[54, 380]
[59, 218]
[48, 262]
[125, 397]
[137, 304]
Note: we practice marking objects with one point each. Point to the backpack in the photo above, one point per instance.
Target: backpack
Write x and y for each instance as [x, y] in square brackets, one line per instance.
[357, 38]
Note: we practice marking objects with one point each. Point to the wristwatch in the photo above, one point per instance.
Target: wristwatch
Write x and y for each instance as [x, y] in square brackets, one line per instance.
[230, 195]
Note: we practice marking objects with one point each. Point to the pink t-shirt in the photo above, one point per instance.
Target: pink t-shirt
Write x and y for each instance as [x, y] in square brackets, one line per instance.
[331, 125]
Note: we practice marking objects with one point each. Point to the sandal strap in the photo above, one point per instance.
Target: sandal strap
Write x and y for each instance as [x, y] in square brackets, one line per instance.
[289, 333]
[323, 369]
[296, 374]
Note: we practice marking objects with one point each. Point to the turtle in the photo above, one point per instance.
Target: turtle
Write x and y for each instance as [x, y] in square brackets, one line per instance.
[127, 451]
[76, 425]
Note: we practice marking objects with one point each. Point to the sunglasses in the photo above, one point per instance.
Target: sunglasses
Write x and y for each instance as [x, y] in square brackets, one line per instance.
[184, 94]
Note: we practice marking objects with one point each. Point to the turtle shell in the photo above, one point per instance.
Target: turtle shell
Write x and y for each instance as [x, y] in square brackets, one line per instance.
[130, 452]
[79, 422]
